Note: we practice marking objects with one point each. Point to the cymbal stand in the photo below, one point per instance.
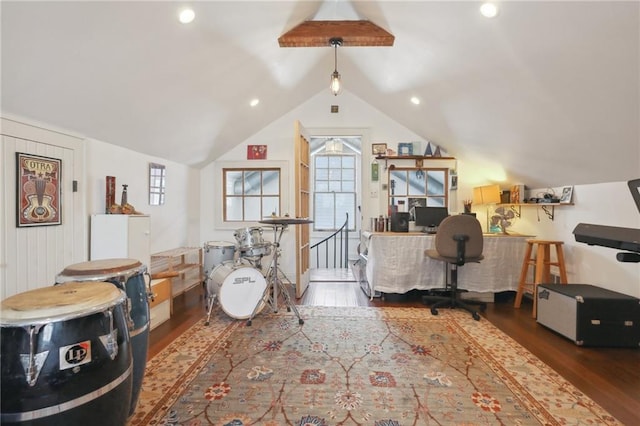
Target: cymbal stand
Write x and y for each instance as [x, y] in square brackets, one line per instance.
[274, 284]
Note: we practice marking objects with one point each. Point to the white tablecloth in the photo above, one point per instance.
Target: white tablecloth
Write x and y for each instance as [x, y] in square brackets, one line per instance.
[396, 263]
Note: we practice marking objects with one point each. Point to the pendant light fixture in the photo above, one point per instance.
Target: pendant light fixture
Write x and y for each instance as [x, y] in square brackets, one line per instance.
[336, 84]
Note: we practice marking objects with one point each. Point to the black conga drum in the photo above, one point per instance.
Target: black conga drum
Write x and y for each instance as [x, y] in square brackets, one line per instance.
[127, 275]
[65, 356]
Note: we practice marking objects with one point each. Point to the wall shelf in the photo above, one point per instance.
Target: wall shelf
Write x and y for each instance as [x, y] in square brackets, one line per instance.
[419, 159]
[186, 262]
[547, 208]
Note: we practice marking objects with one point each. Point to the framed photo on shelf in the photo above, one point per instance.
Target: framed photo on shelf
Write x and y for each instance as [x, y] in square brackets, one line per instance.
[405, 148]
[379, 148]
[567, 193]
[38, 191]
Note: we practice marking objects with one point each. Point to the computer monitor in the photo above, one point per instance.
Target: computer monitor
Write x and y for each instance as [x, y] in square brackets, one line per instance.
[430, 217]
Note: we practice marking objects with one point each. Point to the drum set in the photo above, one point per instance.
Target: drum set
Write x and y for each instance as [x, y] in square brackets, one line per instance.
[245, 277]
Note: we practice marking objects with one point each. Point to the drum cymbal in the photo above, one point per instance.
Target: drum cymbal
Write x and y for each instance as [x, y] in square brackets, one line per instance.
[286, 220]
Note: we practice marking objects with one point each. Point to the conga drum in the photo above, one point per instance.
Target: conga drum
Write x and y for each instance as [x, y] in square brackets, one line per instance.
[127, 275]
[65, 356]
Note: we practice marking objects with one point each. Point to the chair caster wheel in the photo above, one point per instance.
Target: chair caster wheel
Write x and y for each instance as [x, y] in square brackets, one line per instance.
[476, 316]
[206, 323]
[249, 323]
[483, 308]
[288, 309]
[434, 311]
[300, 321]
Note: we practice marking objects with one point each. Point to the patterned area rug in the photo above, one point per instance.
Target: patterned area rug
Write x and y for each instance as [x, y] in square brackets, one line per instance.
[356, 366]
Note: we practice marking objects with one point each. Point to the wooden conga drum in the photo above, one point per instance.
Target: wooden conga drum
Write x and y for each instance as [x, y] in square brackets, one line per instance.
[65, 356]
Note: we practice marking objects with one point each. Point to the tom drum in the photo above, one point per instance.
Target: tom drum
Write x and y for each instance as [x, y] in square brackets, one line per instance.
[251, 243]
[65, 356]
[127, 275]
[239, 289]
[216, 252]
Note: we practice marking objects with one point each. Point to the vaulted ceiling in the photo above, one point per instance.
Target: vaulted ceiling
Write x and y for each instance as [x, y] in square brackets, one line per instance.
[550, 90]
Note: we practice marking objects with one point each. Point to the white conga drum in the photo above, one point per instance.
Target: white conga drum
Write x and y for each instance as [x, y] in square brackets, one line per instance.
[127, 275]
[239, 289]
[65, 356]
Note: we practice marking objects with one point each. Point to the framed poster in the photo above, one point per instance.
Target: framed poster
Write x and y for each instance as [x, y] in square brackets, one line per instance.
[567, 193]
[38, 190]
[378, 148]
[256, 152]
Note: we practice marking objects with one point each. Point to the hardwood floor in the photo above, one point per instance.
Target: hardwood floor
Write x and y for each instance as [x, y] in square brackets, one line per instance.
[610, 376]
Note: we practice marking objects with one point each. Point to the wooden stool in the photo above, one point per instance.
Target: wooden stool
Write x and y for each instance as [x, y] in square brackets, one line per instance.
[542, 262]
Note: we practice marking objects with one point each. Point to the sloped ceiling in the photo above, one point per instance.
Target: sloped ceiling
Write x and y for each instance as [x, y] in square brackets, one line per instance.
[550, 90]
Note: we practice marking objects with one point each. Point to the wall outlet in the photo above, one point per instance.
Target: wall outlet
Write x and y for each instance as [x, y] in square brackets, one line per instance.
[374, 194]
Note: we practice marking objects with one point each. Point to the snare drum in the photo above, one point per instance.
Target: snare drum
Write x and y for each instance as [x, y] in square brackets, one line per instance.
[127, 275]
[216, 252]
[239, 289]
[65, 356]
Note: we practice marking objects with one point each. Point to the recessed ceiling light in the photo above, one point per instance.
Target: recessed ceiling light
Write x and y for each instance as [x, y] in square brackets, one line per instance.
[186, 15]
[415, 100]
[489, 10]
[254, 102]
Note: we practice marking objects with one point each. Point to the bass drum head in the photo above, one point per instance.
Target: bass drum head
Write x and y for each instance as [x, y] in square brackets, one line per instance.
[239, 289]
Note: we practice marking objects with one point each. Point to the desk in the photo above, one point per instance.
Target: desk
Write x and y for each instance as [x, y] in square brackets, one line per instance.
[397, 263]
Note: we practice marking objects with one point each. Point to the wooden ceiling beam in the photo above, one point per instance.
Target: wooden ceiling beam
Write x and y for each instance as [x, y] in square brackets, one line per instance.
[353, 33]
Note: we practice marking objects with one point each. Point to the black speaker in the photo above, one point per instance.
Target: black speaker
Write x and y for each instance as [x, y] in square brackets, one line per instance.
[400, 222]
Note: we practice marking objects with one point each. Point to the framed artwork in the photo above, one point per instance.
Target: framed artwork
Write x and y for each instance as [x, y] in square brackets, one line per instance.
[256, 152]
[38, 192]
[405, 148]
[567, 193]
[378, 148]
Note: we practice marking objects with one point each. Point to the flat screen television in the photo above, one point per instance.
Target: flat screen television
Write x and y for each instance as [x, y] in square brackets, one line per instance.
[430, 217]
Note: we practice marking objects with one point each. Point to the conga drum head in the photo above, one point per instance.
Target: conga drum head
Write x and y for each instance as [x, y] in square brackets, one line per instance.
[57, 303]
[100, 269]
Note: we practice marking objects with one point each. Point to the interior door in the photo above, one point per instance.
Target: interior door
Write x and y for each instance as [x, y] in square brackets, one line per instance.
[302, 200]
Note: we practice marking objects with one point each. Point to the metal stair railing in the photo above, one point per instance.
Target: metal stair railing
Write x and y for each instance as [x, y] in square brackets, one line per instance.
[339, 240]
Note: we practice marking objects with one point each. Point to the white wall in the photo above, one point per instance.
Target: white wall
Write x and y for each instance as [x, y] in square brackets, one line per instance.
[173, 224]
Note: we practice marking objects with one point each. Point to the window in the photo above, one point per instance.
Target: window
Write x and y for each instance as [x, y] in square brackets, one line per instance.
[423, 187]
[334, 191]
[251, 194]
[157, 176]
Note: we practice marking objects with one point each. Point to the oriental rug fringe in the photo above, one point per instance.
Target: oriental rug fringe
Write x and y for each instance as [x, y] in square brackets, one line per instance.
[356, 366]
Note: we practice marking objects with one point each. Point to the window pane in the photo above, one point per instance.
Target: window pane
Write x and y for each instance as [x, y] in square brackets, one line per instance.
[322, 174]
[398, 182]
[345, 203]
[252, 183]
[435, 202]
[322, 161]
[349, 186]
[335, 186]
[322, 186]
[349, 162]
[234, 208]
[252, 208]
[270, 205]
[335, 161]
[271, 182]
[417, 182]
[234, 183]
[324, 204]
[435, 182]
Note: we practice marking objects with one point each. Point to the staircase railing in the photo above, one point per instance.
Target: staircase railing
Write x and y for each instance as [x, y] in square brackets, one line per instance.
[339, 241]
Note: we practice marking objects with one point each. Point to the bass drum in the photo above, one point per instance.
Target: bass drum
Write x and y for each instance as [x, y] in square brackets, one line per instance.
[239, 289]
[65, 356]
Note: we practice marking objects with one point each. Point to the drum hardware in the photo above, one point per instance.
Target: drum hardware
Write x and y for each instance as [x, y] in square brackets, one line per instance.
[33, 362]
[110, 341]
[276, 285]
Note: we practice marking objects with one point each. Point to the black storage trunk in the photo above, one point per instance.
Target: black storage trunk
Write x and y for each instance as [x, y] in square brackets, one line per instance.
[589, 315]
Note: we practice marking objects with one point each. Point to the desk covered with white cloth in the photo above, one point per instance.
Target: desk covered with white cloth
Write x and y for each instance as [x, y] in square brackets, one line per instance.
[396, 263]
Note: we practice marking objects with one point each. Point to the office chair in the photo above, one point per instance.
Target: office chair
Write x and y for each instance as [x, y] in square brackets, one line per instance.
[458, 241]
